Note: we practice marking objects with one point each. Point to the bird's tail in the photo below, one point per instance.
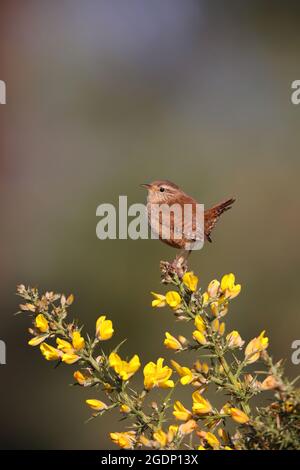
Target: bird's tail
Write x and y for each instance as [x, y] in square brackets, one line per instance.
[211, 216]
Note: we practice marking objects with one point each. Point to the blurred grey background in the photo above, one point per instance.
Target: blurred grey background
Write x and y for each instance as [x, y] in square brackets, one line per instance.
[102, 96]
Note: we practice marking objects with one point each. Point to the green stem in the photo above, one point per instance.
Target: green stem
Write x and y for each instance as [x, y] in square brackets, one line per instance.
[234, 381]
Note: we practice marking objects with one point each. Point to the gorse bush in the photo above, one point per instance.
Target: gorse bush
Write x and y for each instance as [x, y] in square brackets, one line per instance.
[223, 361]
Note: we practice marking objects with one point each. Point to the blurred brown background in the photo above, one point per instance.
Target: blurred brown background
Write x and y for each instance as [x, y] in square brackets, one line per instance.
[101, 97]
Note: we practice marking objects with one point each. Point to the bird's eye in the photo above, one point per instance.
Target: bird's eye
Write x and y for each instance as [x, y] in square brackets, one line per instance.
[161, 190]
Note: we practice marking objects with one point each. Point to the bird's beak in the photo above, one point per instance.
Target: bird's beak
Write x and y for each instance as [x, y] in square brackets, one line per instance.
[145, 185]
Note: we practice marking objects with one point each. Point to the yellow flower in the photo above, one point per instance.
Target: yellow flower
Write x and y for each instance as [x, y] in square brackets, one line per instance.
[199, 337]
[228, 286]
[215, 324]
[172, 343]
[70, 358]
[219, 308]
[239, 416]
[157, 375]
[188, 427]
[161, 437]
[42, 323]
[190, 280]
[49, 352]
[80, 377]
[180, 412]
[159, 300]
[64, 346]
[223, 435]
[173, 299]
[201, 448]
[96, 405]
[212, 440]
[199, 323]
[104, 328]
[222, 329]
[184, 372]
[124, 408]
[205, 299]
[204, 367]
[77, 341]
[225, 410]
[124, 369]
[68, 349]
[255, 347]
[213, 288]
[125, 440]
[200, 405]
[172, 431]
[36, 340]
[234, 340]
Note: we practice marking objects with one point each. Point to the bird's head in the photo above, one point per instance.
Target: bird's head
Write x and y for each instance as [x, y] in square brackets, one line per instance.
[161, 191]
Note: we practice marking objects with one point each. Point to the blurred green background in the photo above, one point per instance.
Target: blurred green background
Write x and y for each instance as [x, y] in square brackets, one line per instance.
[102, 96]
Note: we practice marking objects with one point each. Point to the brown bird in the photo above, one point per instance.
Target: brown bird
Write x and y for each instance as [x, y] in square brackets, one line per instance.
[173, 230]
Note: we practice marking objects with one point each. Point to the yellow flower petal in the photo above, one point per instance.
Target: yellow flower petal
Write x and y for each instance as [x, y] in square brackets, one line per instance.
[200, 404]
[36, 340]
[212, 440]
[173, 299]
[77, 341]
[255, 347]
[42, 323]
[191, 281]
[64, 346]
[227, 281]
[215, 324]
[125, 440]
[199, 323]
[159, 300]
[124, 369]
[228, 286]
[49, 352]
[172, 343]
[124, 409]
[184, 372]
[205, 299]
[222, 329]
[69, 358]
[180, 412]
[104, 328]
[161, 437]
[234, 340]
[157, 375]
[80, 377]
[96, 405]
[199, 337]
[239, 416]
